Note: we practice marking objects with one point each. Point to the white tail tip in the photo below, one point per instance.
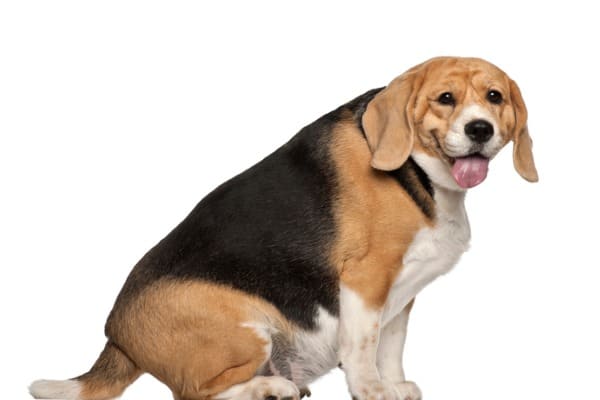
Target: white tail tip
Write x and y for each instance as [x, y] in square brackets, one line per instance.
[66, 390]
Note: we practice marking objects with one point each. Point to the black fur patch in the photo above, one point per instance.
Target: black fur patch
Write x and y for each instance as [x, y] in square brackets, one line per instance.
[268, 231]
[417, 184]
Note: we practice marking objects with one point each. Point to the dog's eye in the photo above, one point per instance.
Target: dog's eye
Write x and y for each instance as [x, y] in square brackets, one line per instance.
[446, 98]
[494, 97]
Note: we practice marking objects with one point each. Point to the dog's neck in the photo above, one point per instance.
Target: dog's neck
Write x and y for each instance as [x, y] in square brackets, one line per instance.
[438, 171]
[450, 202]
[448, 196]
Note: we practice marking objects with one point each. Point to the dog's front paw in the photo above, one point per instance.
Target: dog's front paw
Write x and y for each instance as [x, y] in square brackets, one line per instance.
[384, 390]
[408, 391]
[374, 390]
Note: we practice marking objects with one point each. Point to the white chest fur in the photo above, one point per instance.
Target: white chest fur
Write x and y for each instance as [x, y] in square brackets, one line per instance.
[433, 252]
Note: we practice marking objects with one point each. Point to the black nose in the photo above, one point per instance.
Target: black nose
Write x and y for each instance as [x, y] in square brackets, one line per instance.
[479, 130]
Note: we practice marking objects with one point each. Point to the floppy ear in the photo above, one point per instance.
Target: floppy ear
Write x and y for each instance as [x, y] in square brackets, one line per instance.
[522, 153]
[388, 122]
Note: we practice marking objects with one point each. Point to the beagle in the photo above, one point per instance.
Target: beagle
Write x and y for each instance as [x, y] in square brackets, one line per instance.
[312, 258]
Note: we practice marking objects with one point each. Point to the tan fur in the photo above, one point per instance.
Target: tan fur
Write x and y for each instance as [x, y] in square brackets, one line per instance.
[468, 80]
[376, 219]
[109, 376]
[408, 107]
[388, 124]
[190, 335]
[522, 151]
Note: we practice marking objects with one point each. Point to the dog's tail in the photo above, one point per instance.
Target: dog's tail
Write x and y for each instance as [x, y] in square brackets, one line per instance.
[108, 378]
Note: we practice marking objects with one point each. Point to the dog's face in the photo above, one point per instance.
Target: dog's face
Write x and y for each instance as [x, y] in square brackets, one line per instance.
[454, 114]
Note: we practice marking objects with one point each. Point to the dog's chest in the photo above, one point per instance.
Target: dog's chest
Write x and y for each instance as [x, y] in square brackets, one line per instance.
[433, 251]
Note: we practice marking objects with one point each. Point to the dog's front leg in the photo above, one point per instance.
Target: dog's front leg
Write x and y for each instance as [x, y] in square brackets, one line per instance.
[359, 338]
[390, 353]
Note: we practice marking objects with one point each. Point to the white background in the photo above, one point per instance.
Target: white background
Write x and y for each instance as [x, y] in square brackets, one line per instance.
[116, 117]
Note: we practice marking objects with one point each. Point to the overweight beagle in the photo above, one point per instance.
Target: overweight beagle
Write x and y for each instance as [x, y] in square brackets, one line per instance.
[312, 258]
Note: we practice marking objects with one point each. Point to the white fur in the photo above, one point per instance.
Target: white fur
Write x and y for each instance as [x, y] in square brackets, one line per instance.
[316, 351]
[434, 250]
[359, 339]
[260, 387]
[458, 144]
[494, 145]
[391, 348]
[372, 359]
[390, 354]
[358, 325]
[317, 348]
[45, 389]
[408, 391]
[437, 170]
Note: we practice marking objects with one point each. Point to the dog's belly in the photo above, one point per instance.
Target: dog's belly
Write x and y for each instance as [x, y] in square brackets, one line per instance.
[309, 354]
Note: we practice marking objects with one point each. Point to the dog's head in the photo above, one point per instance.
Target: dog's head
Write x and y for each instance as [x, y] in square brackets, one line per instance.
[452, 114]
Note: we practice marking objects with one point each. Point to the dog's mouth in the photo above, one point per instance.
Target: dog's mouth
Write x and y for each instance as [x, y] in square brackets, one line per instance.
[469, 171]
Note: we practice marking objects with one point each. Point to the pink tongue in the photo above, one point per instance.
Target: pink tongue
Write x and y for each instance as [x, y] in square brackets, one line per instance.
[470, 171]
